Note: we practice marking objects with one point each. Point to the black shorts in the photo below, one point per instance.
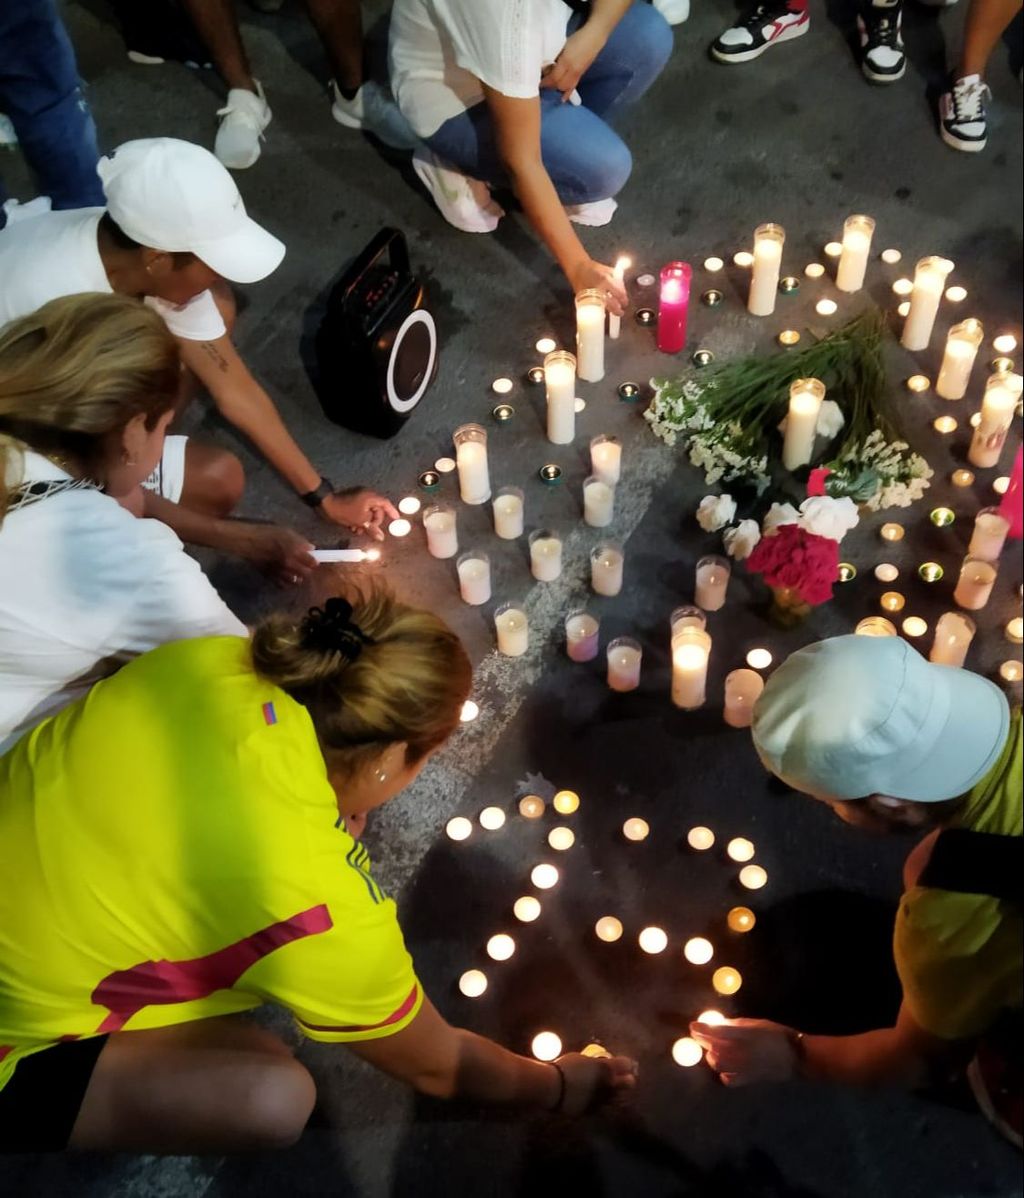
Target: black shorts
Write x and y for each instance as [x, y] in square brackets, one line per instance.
[39, 1105]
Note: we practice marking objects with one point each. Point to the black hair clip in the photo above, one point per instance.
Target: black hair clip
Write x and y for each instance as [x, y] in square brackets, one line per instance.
[330, 629]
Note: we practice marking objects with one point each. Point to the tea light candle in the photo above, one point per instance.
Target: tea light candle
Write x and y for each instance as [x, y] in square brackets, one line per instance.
[962, 344]
[653, 940]
[764, 279]
[1011, 671]
[687, 1052]
[691, 650]
[977, 578]
[892, 601]
[700, 838]
[1002, 393]
[581, 636]
[1001, 484]
[590, 312]
[624, 658]
[805, 399]
[598, 502]
[739, 919]
[531, 806]
[891, 256]
[759, 659]
[826, 307]
[469, 712]
[713, 575]
[914, 626]
[918, 383]
[636, 829]
[742, 690]
[566, 802]
[503, 385]
[698, 951]
[962, 478]
[1014, 630]
[726, 980]
[544, 876]
[474, 570]
[929, 284]
[440, 527]
[560, 381]
[445, 465]
[615, 322]
[513, 630]
[673, 306]
[953, 635]
[875, 626]
[956, 294]
[473, 983]
[944, 424]
[788, 337]
[903, 287]
[713, 265]
[853, 261]
[930, 572]
[606, 459]
[743, 259]
[561, 839]
[739, 849]
[989, 536]
[546, 1046]
[526, 909]
[410, 505]
[606, 567]
[545, 555]
[508, 513]
[892, 532]
[903, 308]
[608, 929]
[1005, 343]
[492, 818]
[814, 270]
[887, 572]
[458, 828]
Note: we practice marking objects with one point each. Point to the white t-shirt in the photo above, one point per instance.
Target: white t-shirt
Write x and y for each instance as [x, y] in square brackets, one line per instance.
[57, 253]
[84, 586]
[443, 51]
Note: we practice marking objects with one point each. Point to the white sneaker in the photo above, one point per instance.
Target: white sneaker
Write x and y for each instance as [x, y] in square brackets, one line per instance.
[676, 11]
[464, 202]
[373, 109]
[594, 215]
[15, 211]
[240, 132]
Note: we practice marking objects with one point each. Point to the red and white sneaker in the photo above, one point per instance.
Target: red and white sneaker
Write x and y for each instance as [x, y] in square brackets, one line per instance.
[763, 26]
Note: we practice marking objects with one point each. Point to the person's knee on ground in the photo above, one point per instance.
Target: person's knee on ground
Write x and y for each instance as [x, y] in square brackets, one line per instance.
[590, 168]
[214, 480]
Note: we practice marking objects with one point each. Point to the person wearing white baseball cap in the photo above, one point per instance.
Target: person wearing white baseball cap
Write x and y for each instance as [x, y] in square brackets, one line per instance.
[174, 229]
[889, 741]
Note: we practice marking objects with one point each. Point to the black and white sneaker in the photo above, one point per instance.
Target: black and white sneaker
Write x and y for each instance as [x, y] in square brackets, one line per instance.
[962, 114]
[881, 42]
[761, 27]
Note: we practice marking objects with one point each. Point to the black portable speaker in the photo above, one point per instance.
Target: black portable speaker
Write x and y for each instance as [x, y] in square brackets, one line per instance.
[376, 347]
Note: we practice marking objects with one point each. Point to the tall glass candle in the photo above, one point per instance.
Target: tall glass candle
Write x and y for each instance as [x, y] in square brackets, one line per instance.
[853, 262]
[764, 276]
[673, 306]
[439, 525]
[615, 322]
[691, 650]
[606, 564]
[545, 555]
[1012, 503]
[687, 616]
[805, 399]
[474, 570]
[471, 463]
[1002, 393]
[977, 578]
[742, 690]
[713, 575]
[508, 513]
[590, 312]
[929, 284]
[624, 658]
[953, 635]
[962, 344]
[598, 502]
[606, 458]
[582, 632]
[990, 531]
[560, 383]
[513, 630]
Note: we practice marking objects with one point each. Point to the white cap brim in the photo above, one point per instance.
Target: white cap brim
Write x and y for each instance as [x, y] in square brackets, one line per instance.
[247, 255]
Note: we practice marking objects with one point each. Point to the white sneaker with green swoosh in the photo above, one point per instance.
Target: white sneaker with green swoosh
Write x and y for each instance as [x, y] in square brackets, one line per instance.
[464, 202]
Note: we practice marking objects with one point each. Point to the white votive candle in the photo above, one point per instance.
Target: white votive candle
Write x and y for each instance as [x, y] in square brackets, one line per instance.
[546, 1046]
[439, 525]
[989, 535]
[544, 876]
[929, 284]
[459, 828]
[624, 658]
[962, 344]
[691, 650]
[953, 635]
[636, 829]
[713, 575]
[606, 459]
[698, 950]
[742, 690]
[608, 929]
[606, 566]
[566, 802]
[582, 635]
[508, 513]
[764, 278]
[560, 383]
[805, 399]
[853, 261]
[561, 839]
[492, 818]
[977, 578]
[700, 838]
[687, 1052]
[474, 570]
[1002, 393]
[473, 983]
[471, 463]
[653, 940]
[753, 877]
[740, 849]
[526, 909]
[545, 555]
[598, 502]
[531, 806]
[590, 335]
[513, 630]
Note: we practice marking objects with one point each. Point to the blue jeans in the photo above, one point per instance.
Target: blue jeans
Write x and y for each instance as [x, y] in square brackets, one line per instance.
[41, 92]
[585, 157]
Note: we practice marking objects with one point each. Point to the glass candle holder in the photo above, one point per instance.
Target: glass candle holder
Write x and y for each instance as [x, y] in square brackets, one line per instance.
[962, 344]
[713, 574]
[742, 690]
[439, 523]
[764, 276]
[606, 459]
[929, 284]
[582, 634]
[991, 529]
[560, 382]
[953, 635]
[673, 306]
[607, 561]
[977, 578]
[508, 513]
[853, 261]
[805, 400]
[590, 314]
[1002, 394]
[875, 626]
[691, 651]
[687, 616]
[471, 463]
[512, 628]
[624, 659]
[474, 571]
[545, 555]
[598, 502]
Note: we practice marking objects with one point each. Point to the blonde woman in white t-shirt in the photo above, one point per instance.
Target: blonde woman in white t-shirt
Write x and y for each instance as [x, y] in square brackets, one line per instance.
[87, 389]
[519, 93]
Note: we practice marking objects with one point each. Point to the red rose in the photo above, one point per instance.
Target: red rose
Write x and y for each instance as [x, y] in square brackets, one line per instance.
[799, 560]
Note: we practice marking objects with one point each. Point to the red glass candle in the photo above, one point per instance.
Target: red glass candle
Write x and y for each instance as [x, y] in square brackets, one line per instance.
[1012, 505]
[673, 305]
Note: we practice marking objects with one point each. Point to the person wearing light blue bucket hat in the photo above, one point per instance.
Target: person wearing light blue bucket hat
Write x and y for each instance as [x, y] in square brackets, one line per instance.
[891, 741]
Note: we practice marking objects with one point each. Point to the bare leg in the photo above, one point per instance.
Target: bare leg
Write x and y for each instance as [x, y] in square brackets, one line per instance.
[214, 479]
[340, 26]
[986, 23]
[216, 23]
[215, 1085]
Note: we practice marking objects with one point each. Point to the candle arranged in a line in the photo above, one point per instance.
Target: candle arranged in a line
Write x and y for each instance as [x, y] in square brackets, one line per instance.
[653, 940]
[700, 838]
[492, 818]
[606, 566]
[753, 877]
[473, 983]
[974, 586]
[726, 980]
[561, 839]
[474, 570]
[875, 626]
[991, 528]
[742, 690]
[508, 513]
[566, 802]
[805, 400]
[740, 919]
[713, 573]
[608, 929]
[764, 278]
[590, 314]
[636, 829]
[615, 322]
[598, 502]
[962, 344]
[624, 661]
[698, 951]
[1002, 394]
[953, 635]
[471, 463]
[545, 555]
[440, 526]
[606, 459]
[691, 650]
[526, 909]
[853, 261]
[929, 284]
[673, 306]
[513, 630]
[560, 384]
[531, 806]
[582, 635]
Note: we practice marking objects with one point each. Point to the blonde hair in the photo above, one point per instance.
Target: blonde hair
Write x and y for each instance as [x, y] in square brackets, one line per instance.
[406, 681]
[78, 369]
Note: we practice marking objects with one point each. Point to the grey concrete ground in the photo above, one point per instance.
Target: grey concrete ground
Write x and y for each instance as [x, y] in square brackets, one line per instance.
[799, 138]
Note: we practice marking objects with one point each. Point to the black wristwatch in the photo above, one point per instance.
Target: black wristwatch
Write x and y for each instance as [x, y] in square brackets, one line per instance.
[324, 489]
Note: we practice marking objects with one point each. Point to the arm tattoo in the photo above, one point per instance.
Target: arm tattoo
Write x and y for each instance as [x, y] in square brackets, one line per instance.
[214, 354]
